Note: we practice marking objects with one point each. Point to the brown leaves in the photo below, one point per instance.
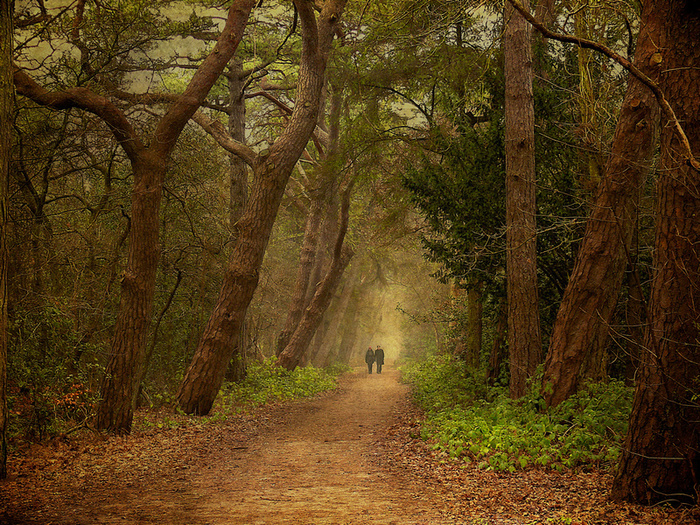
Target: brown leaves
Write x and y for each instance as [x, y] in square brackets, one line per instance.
[468, 494]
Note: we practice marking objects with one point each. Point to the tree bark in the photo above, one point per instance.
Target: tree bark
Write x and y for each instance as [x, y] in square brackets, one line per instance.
[128, 351]
[299, 342]
[661, 457]
[588, 303]
[524, 337]
[307, 257]
[204, 376]
[6, 118]
[237, 367]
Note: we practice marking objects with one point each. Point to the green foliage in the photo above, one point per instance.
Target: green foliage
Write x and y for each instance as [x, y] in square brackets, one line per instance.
[441, 383]
[480, 424]
[462, 199]
[268, 382]
[49, 392]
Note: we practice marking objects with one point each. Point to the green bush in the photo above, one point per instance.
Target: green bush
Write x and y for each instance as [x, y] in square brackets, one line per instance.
[472, 422]
[267, 382]
[440, 383]
[52, 374]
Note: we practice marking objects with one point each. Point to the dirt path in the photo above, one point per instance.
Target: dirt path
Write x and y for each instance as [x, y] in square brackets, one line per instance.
[317, 467]
[311, 462]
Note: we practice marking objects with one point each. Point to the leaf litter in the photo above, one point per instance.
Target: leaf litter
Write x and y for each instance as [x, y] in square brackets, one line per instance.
[322, 460]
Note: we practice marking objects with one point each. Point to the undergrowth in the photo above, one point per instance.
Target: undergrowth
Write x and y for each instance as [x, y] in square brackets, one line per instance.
[468, 420]
[267, 382]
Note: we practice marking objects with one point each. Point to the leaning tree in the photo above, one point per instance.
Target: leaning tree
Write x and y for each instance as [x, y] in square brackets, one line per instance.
[271, 170]
[149, 158]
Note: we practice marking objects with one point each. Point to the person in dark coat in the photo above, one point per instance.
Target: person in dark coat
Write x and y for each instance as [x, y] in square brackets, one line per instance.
[379, 358]
[369, 359]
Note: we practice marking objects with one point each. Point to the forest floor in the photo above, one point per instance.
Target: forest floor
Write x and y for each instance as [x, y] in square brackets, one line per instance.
[350, 456]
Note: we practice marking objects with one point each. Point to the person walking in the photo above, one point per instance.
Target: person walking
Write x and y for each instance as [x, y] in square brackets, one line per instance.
[379, 358]
[369, 359]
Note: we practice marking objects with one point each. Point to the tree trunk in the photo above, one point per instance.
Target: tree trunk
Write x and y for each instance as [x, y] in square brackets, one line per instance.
[236, 128]
[299, 342]
[125, 368]
[307, 257]
[661, 456]
[589, 300]
[635, 319]
[128, 351]
[237, 367]
[204, 376]
[6, 118]
[524, 339]
[351, 325]
[328, 353]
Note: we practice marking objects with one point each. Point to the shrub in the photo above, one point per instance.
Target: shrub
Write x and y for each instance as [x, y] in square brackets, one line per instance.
[267, 382]
[473, 422]
[52, 374]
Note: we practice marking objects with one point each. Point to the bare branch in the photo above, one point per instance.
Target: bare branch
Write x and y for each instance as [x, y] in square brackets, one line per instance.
[218, 131]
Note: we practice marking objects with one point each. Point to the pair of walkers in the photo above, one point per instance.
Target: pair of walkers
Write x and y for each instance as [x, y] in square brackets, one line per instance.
[374, 356]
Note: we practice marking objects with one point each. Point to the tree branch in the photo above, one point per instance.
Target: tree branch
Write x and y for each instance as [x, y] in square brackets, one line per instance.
[629, 66]
[219, 133]
[85, 99]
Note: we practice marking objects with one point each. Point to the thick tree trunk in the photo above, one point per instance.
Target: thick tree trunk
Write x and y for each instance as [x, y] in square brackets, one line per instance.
[125, 368]
[6, 117]
[588, 303]
[661, 454]
[239, 191]
[524, 339]
[204, 376]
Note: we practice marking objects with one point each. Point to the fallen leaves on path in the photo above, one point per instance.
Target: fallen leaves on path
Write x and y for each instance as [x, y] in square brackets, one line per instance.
[61, 480]
[475, 496]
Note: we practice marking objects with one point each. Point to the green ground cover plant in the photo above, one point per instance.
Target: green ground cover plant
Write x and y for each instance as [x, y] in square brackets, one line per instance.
[48, 398]
[267, 382]
[473, 422]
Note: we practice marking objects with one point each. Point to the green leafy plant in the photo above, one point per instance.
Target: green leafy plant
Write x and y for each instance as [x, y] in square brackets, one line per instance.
[267, 382]
[469, 421]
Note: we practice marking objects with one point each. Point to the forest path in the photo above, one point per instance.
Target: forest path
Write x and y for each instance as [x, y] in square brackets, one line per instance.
[313, 461]
[349, 456]
[316, 465]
